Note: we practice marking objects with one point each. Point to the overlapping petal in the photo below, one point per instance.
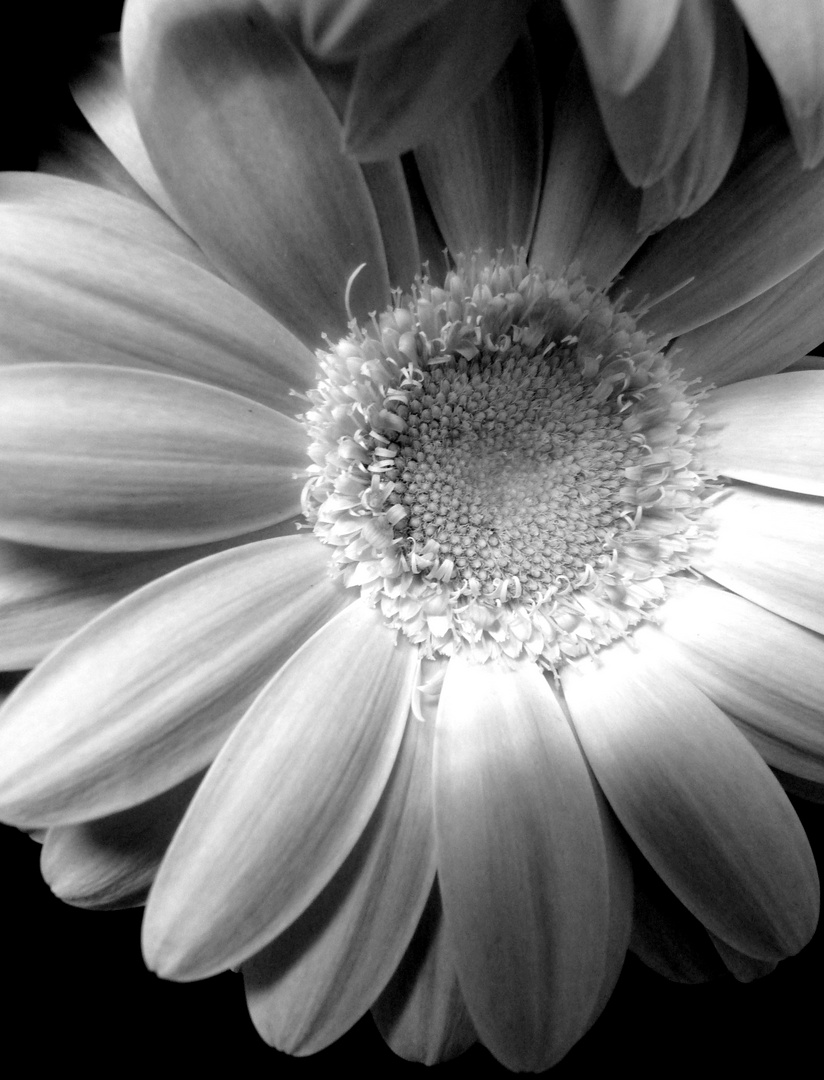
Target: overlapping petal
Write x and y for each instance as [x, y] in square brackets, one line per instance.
[87, 276]
[247, 145]
[316, 979]
[393, 107]
[421, 1013]
[698, 801]
[714, 261]
[147, 693]
[770, 679]
[111, 862]
[286, 800]
[768, 431]
[482, 194]
[767, 547]
[522, 861]
[127, 460]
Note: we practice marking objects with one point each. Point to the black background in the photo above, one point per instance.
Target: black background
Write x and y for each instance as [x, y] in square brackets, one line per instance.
[76, 993]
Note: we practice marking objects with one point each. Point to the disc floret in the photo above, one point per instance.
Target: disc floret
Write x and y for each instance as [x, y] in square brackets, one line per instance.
[505, 465]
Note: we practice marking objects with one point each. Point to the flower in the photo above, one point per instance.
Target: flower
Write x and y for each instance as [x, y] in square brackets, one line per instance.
[438, 803]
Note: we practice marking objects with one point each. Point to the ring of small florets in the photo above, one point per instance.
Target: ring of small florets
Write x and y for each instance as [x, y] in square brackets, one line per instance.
[505, 465]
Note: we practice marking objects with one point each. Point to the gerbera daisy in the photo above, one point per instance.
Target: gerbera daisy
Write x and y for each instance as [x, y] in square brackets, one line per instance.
[406, 758]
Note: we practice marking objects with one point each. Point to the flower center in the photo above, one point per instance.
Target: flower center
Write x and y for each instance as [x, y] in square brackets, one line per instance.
[512, 467]
[505, 466]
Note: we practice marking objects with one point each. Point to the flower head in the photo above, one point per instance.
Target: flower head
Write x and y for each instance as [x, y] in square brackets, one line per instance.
[488, 718]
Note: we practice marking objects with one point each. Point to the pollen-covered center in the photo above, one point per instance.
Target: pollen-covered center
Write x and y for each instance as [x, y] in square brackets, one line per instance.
[512, 467]
[505, 466]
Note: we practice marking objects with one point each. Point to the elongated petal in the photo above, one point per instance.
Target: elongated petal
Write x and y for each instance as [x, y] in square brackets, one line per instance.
[790, 38]
[401, 95]
[390, 197]
[421, 1013]
[147, 693]
[808, 135]
[697, 800]
[88, 276]
[344, 31]
[482, 172]
[111, 862]
[114, 459]
[768, 548]
[521, 861]
[622, 39]
[315, 980]
[762, 336]
[588, 211]
[286, 800]
[695, 177]
[769, 431]
[769, 678]
[744, 968]
[47, 594]
[74, 152]
[650, 127]
[665, 936]
[100, 93]
[247, 145]
[715, 260]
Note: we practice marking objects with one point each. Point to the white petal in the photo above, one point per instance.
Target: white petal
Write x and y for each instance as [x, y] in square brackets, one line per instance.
[588, 211]
[623, 39]
[318, 977]
[482, 173]
[768, 547]
[697, 800]
[770, 679]
[768, 431]
[248, 146]
[101, 458]
[760, 337]
[521, 861]
[421, 1013]
[146, 694]
[285, 801]
[763, 224]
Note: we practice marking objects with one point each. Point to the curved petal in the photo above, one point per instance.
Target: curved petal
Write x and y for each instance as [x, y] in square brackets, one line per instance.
[701, 805]
[790, 38]
[286, 800]
[146, 694]
[665, 936]
[808, 135]
[113, 459]
[696, 175]
[521, 861]
[768, 431]
[345, 30]
[588, 212]
[318, 977]
[100, 93]
[421, 1014]
[770, 679]
[111, 862]
[768, 547]
[482, 173]
[47, 594]
[763, 224]
[401, 95]
[623, 39]
[247, 145]
[761, 337]
[74, 152]
[88, 276]
[649, 127]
